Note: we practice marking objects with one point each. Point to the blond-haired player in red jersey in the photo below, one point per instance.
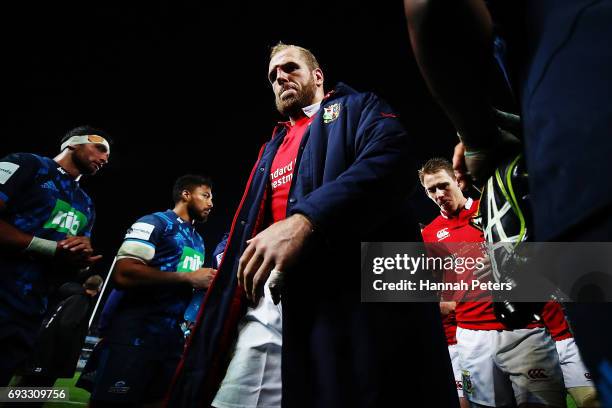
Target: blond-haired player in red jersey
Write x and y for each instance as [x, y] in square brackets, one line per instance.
[500, 367]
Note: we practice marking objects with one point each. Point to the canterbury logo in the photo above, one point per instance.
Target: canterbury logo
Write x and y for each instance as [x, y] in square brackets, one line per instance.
[443, 233]
[537, 374]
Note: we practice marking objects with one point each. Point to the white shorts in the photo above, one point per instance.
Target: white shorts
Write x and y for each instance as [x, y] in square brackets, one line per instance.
[253, 377]
[501, 367]
[575, 374]
[454, 357]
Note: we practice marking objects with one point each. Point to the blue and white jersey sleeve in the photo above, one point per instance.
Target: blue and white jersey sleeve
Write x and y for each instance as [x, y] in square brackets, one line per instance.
[17, 173]
[142, 239]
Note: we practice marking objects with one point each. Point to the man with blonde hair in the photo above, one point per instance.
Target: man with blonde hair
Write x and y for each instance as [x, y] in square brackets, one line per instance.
[499, 366]
[333, 174]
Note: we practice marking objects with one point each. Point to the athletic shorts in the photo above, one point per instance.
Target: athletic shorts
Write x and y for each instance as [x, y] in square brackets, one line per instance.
[16, 344]
[454, 357]
[575, 374]
[128, 373]
[501, 367]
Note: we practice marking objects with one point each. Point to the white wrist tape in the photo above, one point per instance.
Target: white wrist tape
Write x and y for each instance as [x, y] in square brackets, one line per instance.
[41, 246]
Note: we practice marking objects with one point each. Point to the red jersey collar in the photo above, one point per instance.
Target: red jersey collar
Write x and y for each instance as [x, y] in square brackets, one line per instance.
[467, 206]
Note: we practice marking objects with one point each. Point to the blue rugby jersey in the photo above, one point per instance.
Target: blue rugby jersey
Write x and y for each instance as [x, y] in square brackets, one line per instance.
[43, 200]
[198, 295]
[158, 310]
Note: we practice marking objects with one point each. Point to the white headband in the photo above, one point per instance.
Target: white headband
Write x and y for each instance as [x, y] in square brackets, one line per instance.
[84, 139]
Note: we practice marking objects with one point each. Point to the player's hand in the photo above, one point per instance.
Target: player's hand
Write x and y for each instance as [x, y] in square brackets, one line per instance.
[77, 252]
[480, 163]
[277, 247]
[447, 307]
[459, 167]
[508, 122]
[201, 278]
[78, 259]
[76, 244]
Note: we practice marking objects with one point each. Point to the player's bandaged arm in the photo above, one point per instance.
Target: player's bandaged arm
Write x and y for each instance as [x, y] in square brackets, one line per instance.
[132, 269]
[13, 240]
[18, 173]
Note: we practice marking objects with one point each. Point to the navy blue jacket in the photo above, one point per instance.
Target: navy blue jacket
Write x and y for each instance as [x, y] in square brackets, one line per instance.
[567, 113]
[563, 61]
[353, 175]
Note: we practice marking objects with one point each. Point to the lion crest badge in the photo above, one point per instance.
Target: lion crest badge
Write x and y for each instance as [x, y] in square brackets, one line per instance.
[331, 113]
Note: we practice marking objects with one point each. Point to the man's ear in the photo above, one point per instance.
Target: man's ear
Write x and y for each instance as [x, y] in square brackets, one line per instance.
[318, 76]
[461, 182]
[186, 194]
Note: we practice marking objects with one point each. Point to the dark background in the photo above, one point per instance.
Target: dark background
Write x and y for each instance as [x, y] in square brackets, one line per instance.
[181, 87]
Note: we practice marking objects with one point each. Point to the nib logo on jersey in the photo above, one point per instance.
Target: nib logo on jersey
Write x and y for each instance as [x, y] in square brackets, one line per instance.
[64, 218]
[190, 260]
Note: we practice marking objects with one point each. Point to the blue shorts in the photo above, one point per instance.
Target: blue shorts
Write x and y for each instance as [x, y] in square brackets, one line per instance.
[130, 373]
[17, 338]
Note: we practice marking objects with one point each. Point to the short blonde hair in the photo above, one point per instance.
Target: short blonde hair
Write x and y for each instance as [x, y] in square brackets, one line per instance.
[311, 60]
[435, 165]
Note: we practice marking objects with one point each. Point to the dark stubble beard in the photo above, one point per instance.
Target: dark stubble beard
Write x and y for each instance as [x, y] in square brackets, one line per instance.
[292, 105]
[82, 163]
[196, 216]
